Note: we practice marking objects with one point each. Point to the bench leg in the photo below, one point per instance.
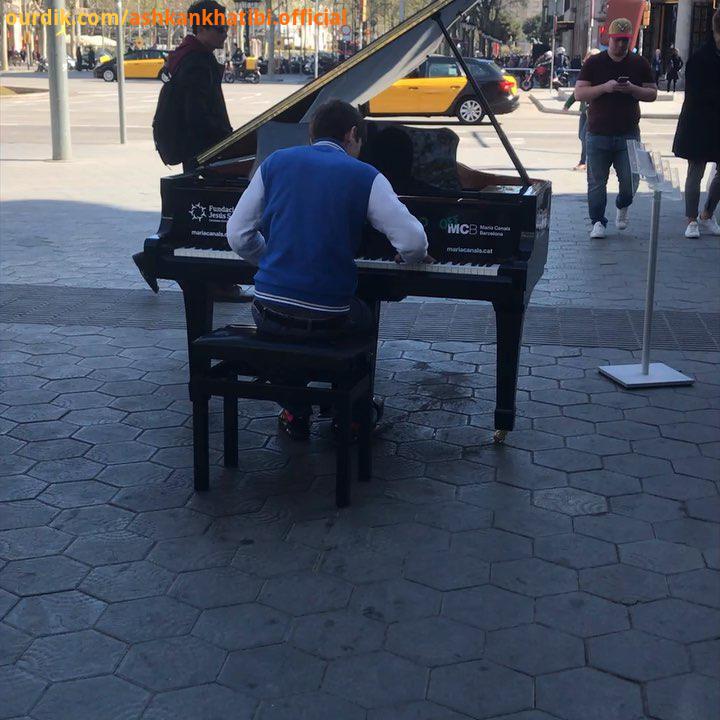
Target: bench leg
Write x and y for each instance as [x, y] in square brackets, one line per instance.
[230, 431]
[343, 414]
[364, 449]
[201, 451]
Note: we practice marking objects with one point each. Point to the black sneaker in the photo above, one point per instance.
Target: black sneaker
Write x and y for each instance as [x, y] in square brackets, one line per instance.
[294, 426]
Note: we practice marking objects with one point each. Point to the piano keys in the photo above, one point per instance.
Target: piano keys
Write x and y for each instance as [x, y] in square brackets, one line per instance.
[488, 233]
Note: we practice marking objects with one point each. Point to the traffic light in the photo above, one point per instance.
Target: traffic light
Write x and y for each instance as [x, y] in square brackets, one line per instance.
[602, 34]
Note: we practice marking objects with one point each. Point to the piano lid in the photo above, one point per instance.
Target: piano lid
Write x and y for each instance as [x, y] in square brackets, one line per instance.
[356, 80]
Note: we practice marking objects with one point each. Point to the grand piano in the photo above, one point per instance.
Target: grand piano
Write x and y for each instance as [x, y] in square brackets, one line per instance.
[487, 233]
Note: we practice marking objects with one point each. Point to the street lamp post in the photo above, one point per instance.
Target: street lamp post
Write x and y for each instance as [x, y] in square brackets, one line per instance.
[120, 70]
[59, 109]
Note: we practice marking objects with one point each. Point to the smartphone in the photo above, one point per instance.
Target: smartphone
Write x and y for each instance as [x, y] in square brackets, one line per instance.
[623, 79]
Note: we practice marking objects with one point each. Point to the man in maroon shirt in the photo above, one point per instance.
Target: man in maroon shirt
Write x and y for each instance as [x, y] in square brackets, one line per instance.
[613, 84]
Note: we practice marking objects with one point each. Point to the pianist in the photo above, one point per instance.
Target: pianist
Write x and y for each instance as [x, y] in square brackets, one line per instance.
[300, 221]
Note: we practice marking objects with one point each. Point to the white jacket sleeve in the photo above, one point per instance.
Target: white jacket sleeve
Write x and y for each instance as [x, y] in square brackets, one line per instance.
[242, 227]
[388, 215]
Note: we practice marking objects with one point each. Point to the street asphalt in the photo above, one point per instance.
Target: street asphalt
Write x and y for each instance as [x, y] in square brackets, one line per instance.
[572, 574]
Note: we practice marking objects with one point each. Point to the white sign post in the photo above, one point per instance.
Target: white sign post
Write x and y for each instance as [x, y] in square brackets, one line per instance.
[662, 179]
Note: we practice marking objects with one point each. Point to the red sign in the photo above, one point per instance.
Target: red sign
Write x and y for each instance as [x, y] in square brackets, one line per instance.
[630, 9]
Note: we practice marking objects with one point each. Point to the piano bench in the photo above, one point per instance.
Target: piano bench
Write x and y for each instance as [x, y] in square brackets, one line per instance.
[236, 362]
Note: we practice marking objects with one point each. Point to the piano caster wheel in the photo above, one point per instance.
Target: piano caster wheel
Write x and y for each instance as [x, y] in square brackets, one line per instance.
[499, 436]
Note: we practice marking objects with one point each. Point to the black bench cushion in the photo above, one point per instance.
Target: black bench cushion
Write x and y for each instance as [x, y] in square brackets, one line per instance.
[243, 343]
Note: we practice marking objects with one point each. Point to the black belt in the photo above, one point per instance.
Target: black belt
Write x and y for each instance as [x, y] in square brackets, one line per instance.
[293, 321]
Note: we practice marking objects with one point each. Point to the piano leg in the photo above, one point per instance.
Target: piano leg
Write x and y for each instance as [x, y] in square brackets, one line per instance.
[509, 324]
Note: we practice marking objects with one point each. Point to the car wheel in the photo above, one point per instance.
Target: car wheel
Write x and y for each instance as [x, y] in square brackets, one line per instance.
[229, 77]
[470, 111]
[108, 75]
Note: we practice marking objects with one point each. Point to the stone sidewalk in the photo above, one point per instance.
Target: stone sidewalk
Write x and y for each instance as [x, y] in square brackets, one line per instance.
[571, 575]
[666, 107]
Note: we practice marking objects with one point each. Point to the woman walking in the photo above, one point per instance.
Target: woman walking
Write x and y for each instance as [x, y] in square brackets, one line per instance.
[674, 64]
[657, 65]
[697, 138]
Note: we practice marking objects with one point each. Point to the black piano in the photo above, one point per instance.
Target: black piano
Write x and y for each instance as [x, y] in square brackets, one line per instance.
[487, 233]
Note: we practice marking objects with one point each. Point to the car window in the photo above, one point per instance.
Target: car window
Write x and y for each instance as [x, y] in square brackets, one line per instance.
[132, 55]
[484, 70]
[444, 69]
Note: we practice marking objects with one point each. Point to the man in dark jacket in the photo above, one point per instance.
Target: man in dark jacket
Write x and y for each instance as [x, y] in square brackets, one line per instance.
[203, 119]
[697, 138]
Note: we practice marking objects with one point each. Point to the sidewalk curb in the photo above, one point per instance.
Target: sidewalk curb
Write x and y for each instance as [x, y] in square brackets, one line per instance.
[552, 111]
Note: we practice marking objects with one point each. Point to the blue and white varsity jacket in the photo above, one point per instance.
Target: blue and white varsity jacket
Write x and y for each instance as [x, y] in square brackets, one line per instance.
[300, 221]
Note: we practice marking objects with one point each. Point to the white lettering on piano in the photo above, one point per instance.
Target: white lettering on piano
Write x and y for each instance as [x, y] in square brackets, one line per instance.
[472, 229]
[479, 251]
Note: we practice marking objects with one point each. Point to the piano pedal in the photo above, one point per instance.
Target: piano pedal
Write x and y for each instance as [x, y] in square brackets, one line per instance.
[499, 437]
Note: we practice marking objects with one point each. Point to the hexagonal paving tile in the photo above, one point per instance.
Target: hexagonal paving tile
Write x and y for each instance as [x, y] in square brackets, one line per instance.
[239, 627]
[72, 655]
[394, 600]
[42, 575]
[337, 634]
[532, 521]
[683, 697]
[581, 614]
[102, 698]
[570, 501]
[697, 533]
[20, 691]
[127, 581]
[375, 679]
[534, 649]
[623, 583]
[215, 587]
[310, 706]
[706, 658]
[172, 663]
[405, 538]
[533, 577]
[481, 689]
[304, 593]
[488, 607]
[91, 520]
[647, 507]
[677, 620]
[661, 556]
[637, 656]
[447, 570]
[613, 528]
[147, 619]
[435, 641]
[567, 459]
[575, 551]
[23, 543]
[272, 671]
[454, 516]
[56, 613]
[493, 545]
[699, 586]
[202, 701]
[13, 644]
[587, 694]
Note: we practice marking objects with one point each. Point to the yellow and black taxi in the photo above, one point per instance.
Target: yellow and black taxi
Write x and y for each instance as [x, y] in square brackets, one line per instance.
[138, 64]
[439, 87]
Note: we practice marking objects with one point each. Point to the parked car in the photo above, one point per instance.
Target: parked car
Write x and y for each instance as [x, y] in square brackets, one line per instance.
[439, 87]
[138, 64]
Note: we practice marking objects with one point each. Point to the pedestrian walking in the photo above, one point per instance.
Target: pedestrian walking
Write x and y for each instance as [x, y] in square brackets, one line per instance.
[191, 115]
[91, 58]
[657, 66]
[697, 138]
[78, 58]
[675, 63]
[613, 83]
[582, 127]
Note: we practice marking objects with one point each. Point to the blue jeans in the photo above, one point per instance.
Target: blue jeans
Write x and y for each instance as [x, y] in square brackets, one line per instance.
[604, 151]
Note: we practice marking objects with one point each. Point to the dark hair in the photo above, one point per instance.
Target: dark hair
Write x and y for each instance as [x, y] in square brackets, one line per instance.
[334, 118]
[209, 7]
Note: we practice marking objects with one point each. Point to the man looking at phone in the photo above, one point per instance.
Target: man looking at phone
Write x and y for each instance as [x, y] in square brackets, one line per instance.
[613, 83]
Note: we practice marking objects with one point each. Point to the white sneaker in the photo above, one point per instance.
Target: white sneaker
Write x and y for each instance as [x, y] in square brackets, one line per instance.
[692, 231]
[621, 219]
[708, 227]
[598, 231]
